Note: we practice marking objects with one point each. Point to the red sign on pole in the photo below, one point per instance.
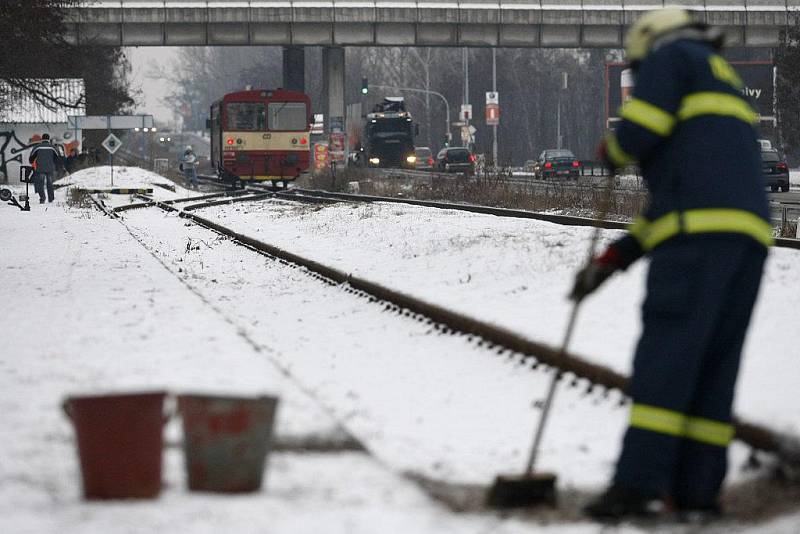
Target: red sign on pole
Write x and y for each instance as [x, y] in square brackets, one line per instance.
[492, 114]
[336, 147]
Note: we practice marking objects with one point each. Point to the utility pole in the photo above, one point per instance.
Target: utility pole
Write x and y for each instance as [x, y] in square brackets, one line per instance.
[466, 86]
[428, 99]
[494, 89]
[560, 90]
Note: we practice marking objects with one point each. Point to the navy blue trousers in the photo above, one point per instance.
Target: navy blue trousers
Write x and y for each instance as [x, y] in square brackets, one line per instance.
[700, 295]
[43, 181]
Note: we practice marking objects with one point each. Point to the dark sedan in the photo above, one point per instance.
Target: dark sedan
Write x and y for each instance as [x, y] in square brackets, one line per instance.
[456, 159]
[557, 163]
[775, 170]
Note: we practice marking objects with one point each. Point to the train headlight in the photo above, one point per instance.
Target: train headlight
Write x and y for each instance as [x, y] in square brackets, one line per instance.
[411, 159]
[375, 161]
[229, 141]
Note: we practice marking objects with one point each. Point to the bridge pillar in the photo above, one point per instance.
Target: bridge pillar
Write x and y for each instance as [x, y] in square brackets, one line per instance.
[333, 88]
[294, 68]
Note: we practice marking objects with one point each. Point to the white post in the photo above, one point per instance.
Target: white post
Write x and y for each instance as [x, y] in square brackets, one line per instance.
[561, 90]
[110, 155]
[558, 122]
[466, 85]
[494, 89]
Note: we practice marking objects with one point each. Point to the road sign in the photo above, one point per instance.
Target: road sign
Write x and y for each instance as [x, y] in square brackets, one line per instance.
[466, 112]
[336, 147]
[112, 143]
[459, 124]
[492, 114]
[492, 108]
[109, 122]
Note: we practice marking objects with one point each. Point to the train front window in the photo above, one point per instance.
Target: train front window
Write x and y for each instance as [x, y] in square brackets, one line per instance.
[288, 116]
[246, 116]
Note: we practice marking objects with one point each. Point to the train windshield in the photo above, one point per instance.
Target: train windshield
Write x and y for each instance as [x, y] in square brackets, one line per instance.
[288, 116]
[247, 116]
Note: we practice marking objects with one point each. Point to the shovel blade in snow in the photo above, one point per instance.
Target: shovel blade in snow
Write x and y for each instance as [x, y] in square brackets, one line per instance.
[518, 491]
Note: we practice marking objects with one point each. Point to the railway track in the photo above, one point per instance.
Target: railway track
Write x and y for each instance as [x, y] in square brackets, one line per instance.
[571, 369]
[569, 220]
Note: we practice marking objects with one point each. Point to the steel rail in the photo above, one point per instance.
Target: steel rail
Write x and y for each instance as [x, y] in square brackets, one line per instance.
[569, 220]
[786, 447]
[149, 203]
[232, 200]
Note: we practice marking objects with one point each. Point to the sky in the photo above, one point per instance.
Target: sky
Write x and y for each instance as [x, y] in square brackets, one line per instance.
[144, 60]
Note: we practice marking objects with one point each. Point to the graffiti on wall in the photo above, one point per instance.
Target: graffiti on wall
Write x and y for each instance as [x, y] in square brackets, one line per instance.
[12, 147]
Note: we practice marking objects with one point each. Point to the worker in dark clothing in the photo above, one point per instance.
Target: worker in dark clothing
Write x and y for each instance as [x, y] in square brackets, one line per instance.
[45, 158]
[706, 231]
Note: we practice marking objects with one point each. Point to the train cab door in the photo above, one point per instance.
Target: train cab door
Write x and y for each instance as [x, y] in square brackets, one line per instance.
[216, 135]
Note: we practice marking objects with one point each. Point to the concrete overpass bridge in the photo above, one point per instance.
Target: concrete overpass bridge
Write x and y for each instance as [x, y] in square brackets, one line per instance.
[507, 23]
[334, 24]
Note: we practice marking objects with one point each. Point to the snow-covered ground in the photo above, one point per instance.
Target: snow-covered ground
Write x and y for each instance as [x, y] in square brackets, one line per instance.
[186, 310]
[516, 273]
[123, 177]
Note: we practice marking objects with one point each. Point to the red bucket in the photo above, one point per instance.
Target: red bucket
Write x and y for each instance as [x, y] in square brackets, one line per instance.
[226, 441]
[120, 441]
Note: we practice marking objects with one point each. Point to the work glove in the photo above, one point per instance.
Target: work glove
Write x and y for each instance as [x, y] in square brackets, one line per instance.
[595, 273]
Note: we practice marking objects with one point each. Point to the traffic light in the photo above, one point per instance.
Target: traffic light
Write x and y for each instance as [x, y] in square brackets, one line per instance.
[364, 86]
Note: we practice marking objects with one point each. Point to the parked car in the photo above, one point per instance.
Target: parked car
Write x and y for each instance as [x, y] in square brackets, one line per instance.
[775, 170]
[529, 165]
[557, 163]
[424, 158]
[456, 159]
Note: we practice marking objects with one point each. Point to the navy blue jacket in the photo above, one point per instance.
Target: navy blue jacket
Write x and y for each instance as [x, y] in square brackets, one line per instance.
[46, 158]
[693, 135]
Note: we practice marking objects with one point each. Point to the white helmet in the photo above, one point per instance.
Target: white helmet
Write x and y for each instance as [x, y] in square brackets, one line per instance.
[188, 148]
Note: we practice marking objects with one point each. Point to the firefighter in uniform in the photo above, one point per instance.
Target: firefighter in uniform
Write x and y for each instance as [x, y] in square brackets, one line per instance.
[707, 231]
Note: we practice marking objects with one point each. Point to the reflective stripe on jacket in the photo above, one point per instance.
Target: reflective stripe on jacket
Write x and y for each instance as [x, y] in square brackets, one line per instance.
[694, 138]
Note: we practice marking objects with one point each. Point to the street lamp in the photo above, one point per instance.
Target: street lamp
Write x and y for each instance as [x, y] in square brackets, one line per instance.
[564, 78]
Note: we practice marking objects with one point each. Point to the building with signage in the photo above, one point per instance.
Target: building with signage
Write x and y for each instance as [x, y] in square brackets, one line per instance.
[759, 88]
[24, 120]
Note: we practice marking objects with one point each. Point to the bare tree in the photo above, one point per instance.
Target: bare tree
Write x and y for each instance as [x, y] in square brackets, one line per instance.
[32, 30]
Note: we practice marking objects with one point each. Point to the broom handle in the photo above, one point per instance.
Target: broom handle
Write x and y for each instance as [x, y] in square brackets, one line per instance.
[551, 392]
